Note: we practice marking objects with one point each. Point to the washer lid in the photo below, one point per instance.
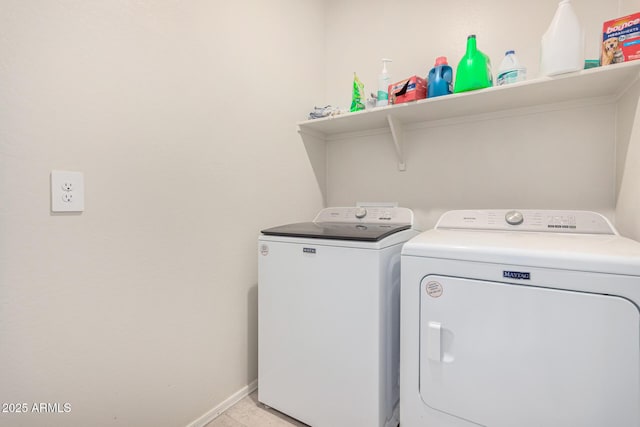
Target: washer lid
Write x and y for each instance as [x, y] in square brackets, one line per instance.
[364, 232]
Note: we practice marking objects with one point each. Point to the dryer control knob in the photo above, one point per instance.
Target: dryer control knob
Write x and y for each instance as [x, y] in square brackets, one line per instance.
[361, 213]
[514, 217]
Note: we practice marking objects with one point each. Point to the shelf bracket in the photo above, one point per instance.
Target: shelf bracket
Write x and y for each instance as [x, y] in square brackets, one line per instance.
[397, 134]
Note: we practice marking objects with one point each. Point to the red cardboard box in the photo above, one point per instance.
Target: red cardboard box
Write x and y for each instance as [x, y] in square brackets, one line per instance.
[410, 89]
[621, 40]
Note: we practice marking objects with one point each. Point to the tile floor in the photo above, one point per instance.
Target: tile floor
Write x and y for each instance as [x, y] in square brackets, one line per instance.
[250, 413]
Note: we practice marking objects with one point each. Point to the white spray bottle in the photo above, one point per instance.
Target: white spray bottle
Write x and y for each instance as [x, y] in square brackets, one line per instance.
[384, 80]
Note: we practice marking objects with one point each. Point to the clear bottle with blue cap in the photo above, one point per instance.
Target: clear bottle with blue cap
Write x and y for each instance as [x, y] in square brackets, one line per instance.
[510, 71]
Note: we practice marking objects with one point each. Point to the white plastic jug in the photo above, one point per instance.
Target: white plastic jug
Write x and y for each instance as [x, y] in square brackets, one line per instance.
[562, 47]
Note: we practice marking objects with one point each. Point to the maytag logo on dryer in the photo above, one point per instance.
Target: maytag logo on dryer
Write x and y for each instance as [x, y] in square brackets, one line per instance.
[519, 275]
[309, 250]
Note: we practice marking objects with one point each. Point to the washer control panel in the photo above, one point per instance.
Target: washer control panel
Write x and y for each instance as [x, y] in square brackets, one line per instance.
[369, 214]
[554, 221]
[361, 212]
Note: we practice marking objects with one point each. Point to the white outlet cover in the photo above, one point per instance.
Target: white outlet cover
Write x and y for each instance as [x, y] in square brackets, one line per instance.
[67, 191]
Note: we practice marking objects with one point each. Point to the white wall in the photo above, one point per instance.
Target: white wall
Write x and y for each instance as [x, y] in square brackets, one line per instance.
[501, 163]
[628, 151]
[143, 309]
[628, 155]
[627, 7]
[560, 159]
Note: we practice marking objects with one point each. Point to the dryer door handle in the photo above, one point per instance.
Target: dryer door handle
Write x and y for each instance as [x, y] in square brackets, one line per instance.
[434, 336]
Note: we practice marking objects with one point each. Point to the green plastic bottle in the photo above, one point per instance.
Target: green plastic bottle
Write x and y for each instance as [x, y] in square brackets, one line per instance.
[474, 69]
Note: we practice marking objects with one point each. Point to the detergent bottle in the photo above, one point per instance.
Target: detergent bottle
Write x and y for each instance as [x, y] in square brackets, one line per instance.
[562, 46]
[474, 69]
[440, 78]
[357, 95]
[510, 71]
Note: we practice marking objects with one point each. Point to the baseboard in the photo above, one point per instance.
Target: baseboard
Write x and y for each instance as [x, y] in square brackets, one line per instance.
[226, 404]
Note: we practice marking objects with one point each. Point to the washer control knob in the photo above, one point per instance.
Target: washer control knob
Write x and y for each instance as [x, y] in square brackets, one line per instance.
[361, 213]
[514, 217]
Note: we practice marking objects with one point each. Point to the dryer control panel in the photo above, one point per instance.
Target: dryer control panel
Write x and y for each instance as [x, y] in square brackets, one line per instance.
[553, 221]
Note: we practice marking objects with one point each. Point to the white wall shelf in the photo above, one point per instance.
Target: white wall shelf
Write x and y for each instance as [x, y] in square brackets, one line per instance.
[602, 83]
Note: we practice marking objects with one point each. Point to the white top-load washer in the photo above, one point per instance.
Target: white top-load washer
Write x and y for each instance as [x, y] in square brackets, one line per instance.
[520, 318]
[329, 316]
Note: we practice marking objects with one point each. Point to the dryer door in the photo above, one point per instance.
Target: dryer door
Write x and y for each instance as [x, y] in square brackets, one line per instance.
[511, 355]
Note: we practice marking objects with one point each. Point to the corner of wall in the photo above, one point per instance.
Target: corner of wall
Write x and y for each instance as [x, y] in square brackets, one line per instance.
[628, 163]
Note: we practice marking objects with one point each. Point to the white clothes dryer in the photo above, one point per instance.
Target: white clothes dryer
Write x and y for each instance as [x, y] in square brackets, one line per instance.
[329, 316]
[520, 318]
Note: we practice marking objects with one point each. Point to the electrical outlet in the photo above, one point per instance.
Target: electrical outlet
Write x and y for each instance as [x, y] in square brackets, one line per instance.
[67, 191]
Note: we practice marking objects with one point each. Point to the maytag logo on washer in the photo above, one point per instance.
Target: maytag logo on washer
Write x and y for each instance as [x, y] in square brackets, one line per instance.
[309, 250]
[519, 275]
[264, 250]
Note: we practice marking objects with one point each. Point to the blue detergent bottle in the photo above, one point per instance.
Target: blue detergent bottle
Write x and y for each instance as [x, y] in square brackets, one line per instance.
[440, 78]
